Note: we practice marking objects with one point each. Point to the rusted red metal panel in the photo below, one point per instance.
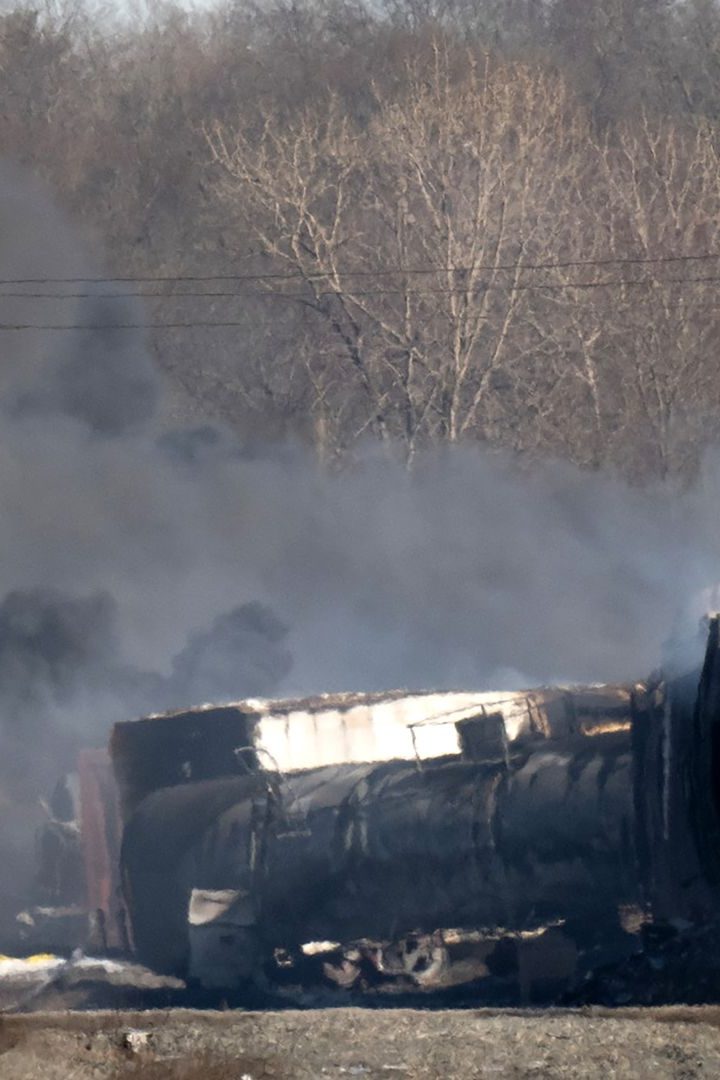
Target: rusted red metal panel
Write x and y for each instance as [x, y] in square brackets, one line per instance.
[100, 835]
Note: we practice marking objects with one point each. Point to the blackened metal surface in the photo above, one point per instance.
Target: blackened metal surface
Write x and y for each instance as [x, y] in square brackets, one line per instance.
[702, 772]
[380, 851]
[100, 833]
[457, 845]
[601, 819]
[181, 749]
[168, 826]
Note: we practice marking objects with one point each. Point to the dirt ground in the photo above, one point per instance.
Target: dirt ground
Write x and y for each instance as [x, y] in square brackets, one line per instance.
[409, 1044]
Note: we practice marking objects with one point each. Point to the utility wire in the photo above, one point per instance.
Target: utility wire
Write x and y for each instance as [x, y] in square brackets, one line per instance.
[295, 275]
[122, 326]
[236, 323]
[458, 290]
[199, 324]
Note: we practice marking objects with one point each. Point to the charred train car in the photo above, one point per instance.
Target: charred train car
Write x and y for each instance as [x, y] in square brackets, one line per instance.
[427, 839]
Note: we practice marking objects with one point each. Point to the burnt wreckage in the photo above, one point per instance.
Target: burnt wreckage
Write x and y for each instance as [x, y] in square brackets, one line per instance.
[514, 841]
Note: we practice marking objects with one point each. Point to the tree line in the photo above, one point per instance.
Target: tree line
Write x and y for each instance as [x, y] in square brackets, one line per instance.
[429, 221]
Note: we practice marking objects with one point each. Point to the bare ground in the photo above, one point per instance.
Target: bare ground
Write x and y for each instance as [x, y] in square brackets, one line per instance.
[410, 1044]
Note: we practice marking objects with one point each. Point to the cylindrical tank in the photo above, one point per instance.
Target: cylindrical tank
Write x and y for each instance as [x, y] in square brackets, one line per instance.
[615, 816]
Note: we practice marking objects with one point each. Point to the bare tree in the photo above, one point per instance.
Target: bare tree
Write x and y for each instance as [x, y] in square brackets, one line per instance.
[663, 202]
[409, 238]
[422, 201]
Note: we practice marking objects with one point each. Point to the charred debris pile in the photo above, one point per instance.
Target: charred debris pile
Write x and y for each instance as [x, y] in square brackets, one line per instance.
[561, 844]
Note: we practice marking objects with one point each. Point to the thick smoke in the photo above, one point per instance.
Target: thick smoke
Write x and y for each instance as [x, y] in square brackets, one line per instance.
[144, 567]
[242, 648]
[61, 673]
[467, 571]
[106, 380]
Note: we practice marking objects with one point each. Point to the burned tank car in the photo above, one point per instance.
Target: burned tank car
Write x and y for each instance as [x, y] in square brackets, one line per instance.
[488, 822]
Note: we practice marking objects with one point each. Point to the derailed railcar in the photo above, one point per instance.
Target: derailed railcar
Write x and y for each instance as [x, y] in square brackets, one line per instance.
[562, 817]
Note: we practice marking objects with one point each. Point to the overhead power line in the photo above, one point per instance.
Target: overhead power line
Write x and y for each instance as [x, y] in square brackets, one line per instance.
[209, 324]
[382, 271]
[349, 294]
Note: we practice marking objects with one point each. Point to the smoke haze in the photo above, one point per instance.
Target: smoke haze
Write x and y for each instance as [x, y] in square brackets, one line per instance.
[144, 567]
